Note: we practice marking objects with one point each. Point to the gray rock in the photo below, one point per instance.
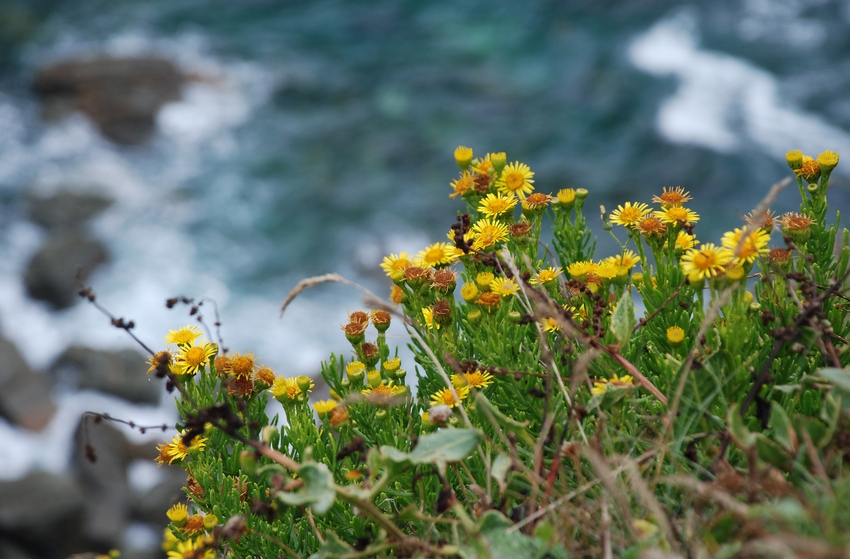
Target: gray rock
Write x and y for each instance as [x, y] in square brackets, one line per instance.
[104, 481]
[121, 95]
[122, 373]
[42, 513]
[9, 550]
[66, 209]
[51, 273]
[24, 395]
[151, 506]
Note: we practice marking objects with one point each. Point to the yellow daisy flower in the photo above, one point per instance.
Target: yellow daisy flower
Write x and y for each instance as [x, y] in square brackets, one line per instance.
[495, 205]
[193, 549]
[192, 358]
[629, 215]
[488, 232]
[428, 314]
[675, 196]
[580, 269]
[677, 214]
[462, 185]
[546, 275]
[324, 407]
[478, 379]
[685, 241]
[437, 255]
[285, 388]
[550, 324]
[629, 259]
[395, 265]
[504, 286]
[746, 249]
[706, 261]
[446, 398]
[516, 179]
[184, 336]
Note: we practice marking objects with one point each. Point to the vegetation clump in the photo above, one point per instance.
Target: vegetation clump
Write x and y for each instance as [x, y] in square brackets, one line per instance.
[542, 415]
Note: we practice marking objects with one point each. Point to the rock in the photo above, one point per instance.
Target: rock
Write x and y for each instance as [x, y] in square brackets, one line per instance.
[104, 481]
[150, 506]
[65, 209]
[122, 373]
[51, 273]
[121, 95]
[42, 513]
[9, 550]
[24, 395]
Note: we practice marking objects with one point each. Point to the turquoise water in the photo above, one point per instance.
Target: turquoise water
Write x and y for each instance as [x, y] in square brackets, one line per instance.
[320, 136]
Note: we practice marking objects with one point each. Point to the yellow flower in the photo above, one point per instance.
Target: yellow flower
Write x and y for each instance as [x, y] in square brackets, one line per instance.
[706, 261]
[629, 259]
[489, 300]
[242, 365]
[651, 226]
[178, 514]
[566, 196]
[285, 388]
[550, 324]
[675, 196]
[469, 292]
[675, 335]
[193, 549]
[516, 179]
[546, 275]
[462, 185]
[479, 379]
[487, 232]
[437, 254]
[395, 265]
[484, 280]
[685, 241]
[794, 158]
[504, 286]
[746, 249]
[324, 407]
[580, 269]
[428, 314]
[184, 336]
[606, 270]
[463, 156]
[396, 294]
[177, 450]
[495, 205]
[192, 358]
[535, 202]
[161, 360]
[677, 214]
[828, 160]
[446, 398]
[629, 215]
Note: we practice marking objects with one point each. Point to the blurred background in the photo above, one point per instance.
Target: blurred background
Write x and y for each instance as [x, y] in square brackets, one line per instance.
[228, 149]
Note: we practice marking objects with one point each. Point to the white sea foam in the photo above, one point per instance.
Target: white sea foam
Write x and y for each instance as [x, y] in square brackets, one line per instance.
[723, 102]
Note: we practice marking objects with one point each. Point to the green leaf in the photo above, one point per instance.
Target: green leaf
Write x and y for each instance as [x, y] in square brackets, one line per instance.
[623, 320]
[446, 445]
[839, 378]
[318, 490]
[782, 428]
[332, 547]
[499, 470]
[772, 453]
[742, 436]
[489, 413]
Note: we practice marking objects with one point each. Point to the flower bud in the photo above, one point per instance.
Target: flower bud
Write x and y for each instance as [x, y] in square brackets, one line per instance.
[794, 158]
[369, 354]
[374, 378]
[463, 157]
[305, 383]
[248, 461]
[499, 160]
[469, 292]
[675, 335]
[474, 316]
[355, 371]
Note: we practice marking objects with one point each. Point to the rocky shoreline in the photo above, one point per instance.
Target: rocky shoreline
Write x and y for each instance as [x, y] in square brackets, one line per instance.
[90, 506]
